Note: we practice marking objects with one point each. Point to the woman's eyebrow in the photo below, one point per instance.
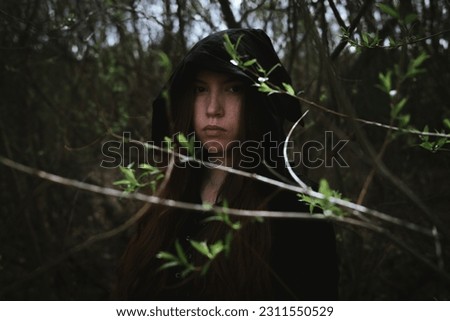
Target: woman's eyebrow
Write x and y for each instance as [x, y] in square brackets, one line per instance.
[232, 80]
[199, 80]
[225, 80]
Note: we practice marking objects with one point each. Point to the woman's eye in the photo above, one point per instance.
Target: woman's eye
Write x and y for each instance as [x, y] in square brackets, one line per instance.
[235, 89]
[199, 89]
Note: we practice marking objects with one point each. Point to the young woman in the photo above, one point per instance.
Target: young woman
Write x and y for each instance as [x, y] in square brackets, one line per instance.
[239, 127]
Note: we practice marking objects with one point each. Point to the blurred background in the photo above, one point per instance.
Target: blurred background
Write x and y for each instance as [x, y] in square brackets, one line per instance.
[73, 74]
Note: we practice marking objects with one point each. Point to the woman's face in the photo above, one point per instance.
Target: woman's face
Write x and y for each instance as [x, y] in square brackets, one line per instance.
[218, 103]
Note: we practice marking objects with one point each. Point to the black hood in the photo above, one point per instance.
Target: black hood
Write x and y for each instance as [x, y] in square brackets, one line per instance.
[210, 54]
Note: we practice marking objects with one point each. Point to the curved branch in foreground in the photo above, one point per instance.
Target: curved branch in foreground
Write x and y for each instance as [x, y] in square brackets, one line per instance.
[285, 156]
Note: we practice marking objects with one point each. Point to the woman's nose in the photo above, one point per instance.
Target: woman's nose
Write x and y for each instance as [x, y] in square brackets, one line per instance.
[215, 105]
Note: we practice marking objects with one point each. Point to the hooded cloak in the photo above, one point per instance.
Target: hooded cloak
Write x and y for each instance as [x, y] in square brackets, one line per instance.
[210, 54]
[303, 253]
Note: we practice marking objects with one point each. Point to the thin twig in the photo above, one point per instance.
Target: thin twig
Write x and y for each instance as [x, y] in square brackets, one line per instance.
[372, 123]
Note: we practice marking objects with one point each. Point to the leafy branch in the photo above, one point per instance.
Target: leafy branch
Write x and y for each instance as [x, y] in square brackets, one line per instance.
[328, 208]
[210, 251]
[261, 74]
[262, 82]
[150, 177]
[372, 40]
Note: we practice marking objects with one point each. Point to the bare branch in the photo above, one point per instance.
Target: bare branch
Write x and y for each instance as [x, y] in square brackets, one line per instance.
[369, 122]
[228, 15]
[337, 15]
[352, 28]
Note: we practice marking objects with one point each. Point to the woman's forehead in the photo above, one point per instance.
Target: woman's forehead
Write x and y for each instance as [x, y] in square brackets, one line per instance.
[208, 75]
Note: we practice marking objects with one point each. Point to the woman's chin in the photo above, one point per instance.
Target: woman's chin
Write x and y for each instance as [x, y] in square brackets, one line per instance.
[214, 147]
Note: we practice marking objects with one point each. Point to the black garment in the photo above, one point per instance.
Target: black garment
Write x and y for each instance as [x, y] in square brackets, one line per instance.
[303, 259]
[303, 254]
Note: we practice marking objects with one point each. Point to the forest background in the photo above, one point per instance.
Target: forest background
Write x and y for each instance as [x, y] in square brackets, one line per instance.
[76, 74]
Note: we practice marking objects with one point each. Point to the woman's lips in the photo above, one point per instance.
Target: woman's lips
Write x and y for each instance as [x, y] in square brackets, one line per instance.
[213, 130]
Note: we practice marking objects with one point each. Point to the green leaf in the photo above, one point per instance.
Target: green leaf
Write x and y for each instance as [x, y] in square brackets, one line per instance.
[289, 89]
[441, 142]
[227, 244]
[164, 60]
[188, 144]
[216, 248]
[425, 138]
[413, 67]
[398, 107]
[238, 42]
[309, 200]
[168, 265]
[180, 253]
[205, 268]
[375, 41]
[225, 206]
[258, 219]
[365, 38]
[146, 166]
[249, 63]
[427, 145]
[404, 120]
[410, 18]
[419, 59]
[189, 269]
[214, 218]
[182, 139]
[207, 206]
[201, 247]
[325, 204]
[166, 256]
[229, 46]
[168, 140]
[129, 175]
[150, 168]
[236, 225]
[433, 146]
[264, 88]
[121, 182]
[385, 81]
[388, 10]
[323, 97]
[446, 122]
[392, 42]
